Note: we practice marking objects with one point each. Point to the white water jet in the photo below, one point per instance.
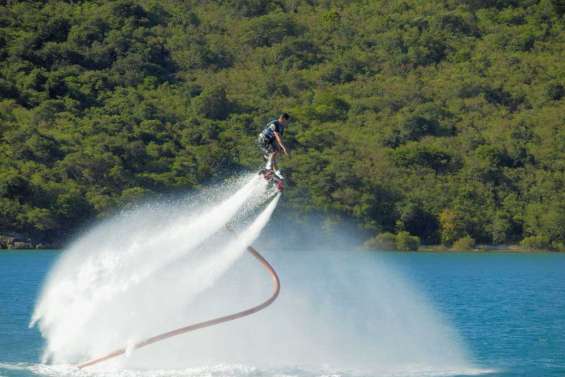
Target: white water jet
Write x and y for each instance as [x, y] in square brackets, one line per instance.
[107, 272]
[212, 266]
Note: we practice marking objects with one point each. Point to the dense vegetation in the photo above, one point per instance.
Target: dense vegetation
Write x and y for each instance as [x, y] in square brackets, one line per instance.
[440, 119]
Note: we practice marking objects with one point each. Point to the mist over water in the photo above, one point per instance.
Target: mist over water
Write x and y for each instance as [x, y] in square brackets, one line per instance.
[338, 311]
[166, 265]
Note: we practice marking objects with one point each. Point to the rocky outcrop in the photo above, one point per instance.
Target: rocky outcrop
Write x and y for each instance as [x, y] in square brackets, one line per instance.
[19, 241]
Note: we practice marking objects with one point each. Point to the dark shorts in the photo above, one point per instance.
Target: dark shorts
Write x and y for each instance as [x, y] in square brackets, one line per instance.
[266, 146]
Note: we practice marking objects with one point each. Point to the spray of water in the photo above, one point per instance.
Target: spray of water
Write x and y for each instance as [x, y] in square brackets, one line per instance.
[109, 284]
[339, 313]
[165, 265]
[213, 266]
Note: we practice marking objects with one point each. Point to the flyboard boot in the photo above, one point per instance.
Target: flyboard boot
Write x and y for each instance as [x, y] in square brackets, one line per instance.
[273, 177]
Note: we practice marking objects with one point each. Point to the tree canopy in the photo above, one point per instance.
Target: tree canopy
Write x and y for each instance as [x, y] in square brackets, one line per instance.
[442, 119]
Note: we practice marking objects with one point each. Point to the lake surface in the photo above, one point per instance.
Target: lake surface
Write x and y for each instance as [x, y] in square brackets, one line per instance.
[509, 308]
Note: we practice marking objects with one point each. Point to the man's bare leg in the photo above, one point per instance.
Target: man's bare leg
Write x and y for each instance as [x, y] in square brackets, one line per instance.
[275, 165]
[272, 161]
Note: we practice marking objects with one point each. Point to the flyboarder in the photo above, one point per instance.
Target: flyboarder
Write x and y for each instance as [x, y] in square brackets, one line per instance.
[270, 143]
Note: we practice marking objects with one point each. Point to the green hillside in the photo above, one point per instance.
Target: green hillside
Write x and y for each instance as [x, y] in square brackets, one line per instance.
[444, 119]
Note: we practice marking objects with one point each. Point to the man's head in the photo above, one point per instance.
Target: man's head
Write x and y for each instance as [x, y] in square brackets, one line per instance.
[284, 118]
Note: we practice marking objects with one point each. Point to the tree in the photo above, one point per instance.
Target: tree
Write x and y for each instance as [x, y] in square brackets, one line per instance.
[213, 103]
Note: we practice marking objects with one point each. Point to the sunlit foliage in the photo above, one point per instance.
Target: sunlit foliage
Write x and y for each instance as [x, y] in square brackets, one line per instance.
[445, 120]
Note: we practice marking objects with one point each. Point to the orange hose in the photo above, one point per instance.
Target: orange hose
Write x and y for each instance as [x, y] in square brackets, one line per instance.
[201, 325]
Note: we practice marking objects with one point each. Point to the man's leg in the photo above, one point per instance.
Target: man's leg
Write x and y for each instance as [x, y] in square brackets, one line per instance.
[265, 148]
[275, 164]
[271, 161]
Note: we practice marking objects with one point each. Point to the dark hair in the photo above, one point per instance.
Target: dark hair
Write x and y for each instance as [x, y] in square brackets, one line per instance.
[285, 116]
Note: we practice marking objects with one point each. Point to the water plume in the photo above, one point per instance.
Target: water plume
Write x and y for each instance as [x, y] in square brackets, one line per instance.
[103, 283]
[163, 266]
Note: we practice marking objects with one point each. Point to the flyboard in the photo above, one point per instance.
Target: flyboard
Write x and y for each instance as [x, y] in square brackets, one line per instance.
[200, 325]
[272, 178]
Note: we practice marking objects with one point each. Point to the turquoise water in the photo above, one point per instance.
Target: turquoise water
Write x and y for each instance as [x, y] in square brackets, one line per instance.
[508, 308]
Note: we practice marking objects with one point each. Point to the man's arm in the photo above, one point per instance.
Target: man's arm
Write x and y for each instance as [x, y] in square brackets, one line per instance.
[280, 143]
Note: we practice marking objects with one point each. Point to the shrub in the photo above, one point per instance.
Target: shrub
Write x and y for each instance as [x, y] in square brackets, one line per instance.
[536, 243]
[555, 91]
[558, 246]
[417, 221]
[329, 107]
[407, 242]
[465, 243]
[415, 155]
[382, 241]
[451, 226]
[213, 103]
[267, 30]
[298, 53]
[546, 222]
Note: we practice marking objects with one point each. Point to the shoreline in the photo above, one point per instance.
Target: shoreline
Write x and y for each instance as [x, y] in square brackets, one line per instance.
[35, 250]
[484, 249]
[421, 249]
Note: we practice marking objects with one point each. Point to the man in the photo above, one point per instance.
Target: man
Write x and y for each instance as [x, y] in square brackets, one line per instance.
[270, 142]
